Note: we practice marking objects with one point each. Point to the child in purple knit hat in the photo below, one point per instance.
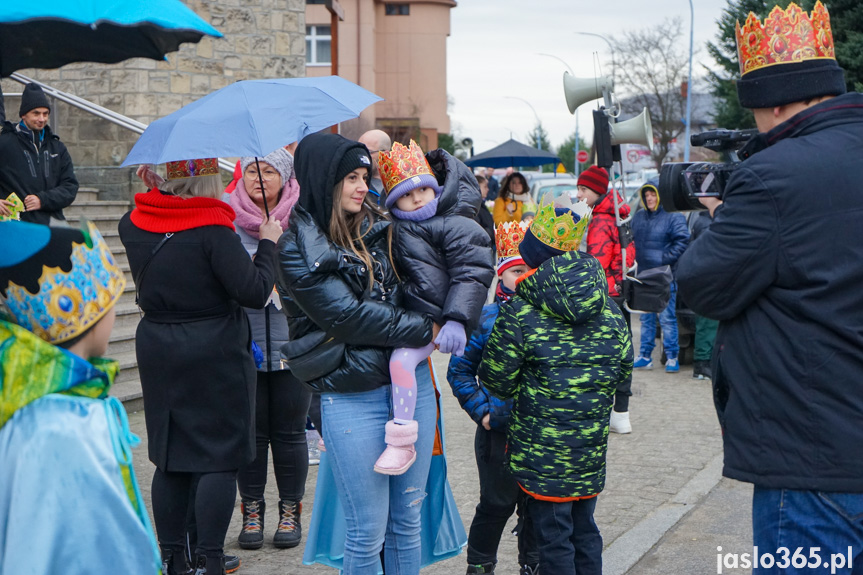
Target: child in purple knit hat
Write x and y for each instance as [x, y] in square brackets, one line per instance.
[445, 261]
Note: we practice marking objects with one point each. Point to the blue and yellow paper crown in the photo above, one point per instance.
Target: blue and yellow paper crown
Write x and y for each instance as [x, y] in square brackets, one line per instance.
[42, 297]
[560, 232]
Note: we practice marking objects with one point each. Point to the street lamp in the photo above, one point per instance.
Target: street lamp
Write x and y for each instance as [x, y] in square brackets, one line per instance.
[689, 84]
[576, 167]
[610, 47]
[538, 133]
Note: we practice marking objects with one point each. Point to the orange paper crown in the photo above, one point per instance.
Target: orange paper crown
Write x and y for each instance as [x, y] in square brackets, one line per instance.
[786, 36]
[192, 168]
[402, 163]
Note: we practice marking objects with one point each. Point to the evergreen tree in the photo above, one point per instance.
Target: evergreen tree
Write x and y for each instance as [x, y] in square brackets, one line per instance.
[566, 152]
[544, 143]
[728, 112]
[846, 19]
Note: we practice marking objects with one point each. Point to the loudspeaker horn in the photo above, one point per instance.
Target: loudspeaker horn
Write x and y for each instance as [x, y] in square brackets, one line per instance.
[579, 91]
[637, 130]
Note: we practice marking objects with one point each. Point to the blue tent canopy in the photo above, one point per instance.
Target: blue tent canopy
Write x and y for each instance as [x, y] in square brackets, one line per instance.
[512, 153]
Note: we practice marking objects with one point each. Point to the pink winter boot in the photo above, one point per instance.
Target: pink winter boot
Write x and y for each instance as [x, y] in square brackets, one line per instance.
[400, 453]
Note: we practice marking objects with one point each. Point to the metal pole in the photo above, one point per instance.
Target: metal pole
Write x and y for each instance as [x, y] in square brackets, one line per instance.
[610, 47]
[577, 166]
[689, 85]
[535, 115]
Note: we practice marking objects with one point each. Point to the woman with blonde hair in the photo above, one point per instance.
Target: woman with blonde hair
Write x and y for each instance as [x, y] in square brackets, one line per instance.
[192, 278]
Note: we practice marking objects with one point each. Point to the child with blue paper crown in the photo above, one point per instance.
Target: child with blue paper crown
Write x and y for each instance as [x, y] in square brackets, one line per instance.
[444, 258]
[65, 445]
[558, 349]
[499, 494]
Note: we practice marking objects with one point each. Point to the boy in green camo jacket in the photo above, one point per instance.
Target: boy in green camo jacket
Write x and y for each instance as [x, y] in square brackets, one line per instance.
[559, 348]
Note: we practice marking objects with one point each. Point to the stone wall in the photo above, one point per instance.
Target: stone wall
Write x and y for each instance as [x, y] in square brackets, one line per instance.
[262, 39]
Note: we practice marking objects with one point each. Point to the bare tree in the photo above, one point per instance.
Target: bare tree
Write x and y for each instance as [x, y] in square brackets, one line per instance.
[651, 70]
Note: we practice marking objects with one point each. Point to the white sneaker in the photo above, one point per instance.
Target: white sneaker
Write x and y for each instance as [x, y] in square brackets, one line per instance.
[619, 422]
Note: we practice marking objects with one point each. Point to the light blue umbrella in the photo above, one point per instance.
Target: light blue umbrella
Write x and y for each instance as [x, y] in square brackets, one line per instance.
[51, 33]
[250, 118]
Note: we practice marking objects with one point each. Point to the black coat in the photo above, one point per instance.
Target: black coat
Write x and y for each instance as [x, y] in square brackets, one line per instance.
[447, 261]
[194, 344]
[45, 172]
[486, 220]
[325, 286]
[780, 267]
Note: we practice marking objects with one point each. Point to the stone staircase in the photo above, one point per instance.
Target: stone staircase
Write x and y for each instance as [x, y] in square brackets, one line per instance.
[106, 215]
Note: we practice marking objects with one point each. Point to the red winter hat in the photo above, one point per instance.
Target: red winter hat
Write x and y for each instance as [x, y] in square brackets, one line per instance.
[594, 178]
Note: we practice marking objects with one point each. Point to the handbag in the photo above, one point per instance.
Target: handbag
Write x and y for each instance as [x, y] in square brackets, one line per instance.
[650, 290]
[313, 356]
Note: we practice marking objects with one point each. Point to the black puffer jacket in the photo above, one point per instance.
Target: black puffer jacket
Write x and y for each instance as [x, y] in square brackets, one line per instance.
[325, 287]
[447, 261]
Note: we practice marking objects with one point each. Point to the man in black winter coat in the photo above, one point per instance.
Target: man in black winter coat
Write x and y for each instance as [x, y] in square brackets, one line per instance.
[34, 164]
[780, 268]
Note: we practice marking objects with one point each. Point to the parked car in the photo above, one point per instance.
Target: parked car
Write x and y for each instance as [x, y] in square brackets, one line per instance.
[562, 184]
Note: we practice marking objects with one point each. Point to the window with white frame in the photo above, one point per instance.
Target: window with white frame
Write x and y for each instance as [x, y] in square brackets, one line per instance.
[318, 45]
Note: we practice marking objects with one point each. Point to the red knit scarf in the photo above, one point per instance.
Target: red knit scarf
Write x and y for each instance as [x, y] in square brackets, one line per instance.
[162, 213]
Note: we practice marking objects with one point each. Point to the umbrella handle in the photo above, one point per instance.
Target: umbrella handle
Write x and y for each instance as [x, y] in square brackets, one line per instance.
[263, 191]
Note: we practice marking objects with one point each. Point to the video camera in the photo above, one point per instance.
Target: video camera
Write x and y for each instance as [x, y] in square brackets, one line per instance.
[681, 184]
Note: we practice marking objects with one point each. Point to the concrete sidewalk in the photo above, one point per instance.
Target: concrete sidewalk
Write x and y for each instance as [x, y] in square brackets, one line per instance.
[656, 475]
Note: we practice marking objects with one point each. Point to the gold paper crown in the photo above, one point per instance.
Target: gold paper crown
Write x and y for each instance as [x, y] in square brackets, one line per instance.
[192, 168]
[402, 163]
[70, 303]
[787, 36]
[560, 232]
[508, 236]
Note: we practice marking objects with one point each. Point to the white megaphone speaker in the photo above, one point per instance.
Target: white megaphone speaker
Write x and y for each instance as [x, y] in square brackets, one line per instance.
[637, 130]
[579, 91]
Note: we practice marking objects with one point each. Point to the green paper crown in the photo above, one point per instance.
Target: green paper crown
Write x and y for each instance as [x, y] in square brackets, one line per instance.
[560, 232]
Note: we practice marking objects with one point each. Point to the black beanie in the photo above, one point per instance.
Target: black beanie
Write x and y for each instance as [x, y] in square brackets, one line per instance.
[33, 97]
[790, 82]
[356, 157]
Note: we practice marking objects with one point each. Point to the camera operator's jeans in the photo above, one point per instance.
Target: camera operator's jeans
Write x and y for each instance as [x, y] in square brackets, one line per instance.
[668, 321]
[821, 523]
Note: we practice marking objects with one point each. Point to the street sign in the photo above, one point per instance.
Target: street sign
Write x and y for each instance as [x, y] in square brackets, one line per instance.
[582, 156]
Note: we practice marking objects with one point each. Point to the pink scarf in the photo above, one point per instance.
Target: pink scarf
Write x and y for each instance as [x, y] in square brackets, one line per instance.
[250, 216]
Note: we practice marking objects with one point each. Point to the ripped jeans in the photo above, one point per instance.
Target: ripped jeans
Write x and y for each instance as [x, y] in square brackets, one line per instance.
[354, 435]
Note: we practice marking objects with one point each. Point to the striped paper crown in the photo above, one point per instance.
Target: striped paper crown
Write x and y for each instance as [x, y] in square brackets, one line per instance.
[560, 232]
[786, 37]
[66, 303]
[402, 163]
[192, 168]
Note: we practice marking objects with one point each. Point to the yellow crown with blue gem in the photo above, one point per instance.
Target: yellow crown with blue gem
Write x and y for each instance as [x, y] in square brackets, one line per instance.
[57, 282]
[560, 232]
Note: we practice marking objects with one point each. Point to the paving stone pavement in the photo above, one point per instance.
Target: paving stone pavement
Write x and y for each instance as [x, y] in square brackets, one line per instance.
[655, 476]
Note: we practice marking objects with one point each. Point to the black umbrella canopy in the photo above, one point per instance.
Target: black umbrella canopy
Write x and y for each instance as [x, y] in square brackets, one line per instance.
[52, 33]
[512, 153]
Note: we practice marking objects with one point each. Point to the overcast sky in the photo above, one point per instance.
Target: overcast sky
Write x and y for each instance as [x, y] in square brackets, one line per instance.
[493, 52]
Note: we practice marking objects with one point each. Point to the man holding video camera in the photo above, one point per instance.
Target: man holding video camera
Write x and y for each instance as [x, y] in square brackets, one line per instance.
[781, 267]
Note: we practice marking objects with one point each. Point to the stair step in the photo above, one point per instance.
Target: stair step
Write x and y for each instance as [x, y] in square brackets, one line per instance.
[129, 392]
[86, 194]
[127, 316]
[104, 223]
[122, 340]
[98, 208]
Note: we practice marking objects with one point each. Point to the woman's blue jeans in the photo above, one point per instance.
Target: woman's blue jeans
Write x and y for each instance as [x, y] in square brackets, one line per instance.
[668, 321]
[378, 507]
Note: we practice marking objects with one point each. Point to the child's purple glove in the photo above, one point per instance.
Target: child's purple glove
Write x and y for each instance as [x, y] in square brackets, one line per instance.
[452, 338]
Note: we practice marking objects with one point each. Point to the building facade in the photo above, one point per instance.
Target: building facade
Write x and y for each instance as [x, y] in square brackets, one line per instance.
[262, 39]
[396, 50]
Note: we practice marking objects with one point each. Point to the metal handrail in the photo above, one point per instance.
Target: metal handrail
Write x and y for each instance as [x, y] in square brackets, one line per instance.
[97, 110]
